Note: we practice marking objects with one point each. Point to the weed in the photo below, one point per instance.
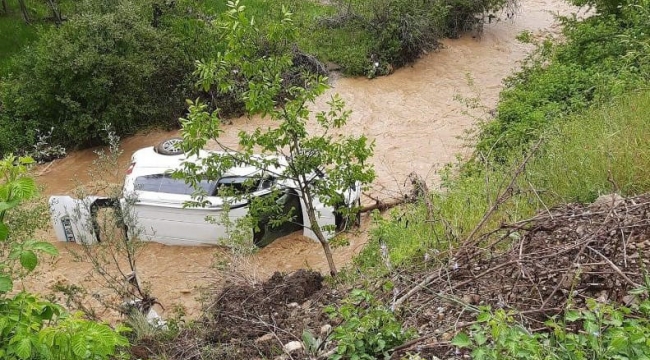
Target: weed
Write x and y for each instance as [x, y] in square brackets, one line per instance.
[367, 330]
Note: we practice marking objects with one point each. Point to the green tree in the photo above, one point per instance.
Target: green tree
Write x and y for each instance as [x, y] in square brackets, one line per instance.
[343, 159]
[105, 65]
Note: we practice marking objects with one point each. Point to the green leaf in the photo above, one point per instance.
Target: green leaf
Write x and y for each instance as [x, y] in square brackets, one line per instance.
[572, 315]
[24, 188]
[6, 285]
[484, 316]
[4, 232]
[28, 260]
[461, 340]
[6, 205]
[24, 348]
[79, 345]
[480, 338]
[45, 247]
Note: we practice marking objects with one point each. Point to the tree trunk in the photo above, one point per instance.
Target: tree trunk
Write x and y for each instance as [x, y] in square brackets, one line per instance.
[23, 9]
[5, 8]
[311, 214]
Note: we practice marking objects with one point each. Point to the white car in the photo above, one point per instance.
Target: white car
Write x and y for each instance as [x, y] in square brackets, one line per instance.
[158, 203]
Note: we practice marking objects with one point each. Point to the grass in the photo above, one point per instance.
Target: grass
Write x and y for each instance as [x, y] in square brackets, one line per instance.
[600, 151]
[15, 34]
[347, 44]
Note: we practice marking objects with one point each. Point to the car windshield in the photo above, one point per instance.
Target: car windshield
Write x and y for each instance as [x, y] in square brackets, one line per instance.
[164, 183]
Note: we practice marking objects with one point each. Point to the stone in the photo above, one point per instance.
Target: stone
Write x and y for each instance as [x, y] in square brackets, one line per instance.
[325, 330]
[292, 346]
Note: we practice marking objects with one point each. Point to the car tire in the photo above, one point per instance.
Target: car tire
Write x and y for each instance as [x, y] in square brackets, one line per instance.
[169, 146]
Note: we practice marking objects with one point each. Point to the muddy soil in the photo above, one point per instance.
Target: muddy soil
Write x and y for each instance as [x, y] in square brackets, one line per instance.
[254, 321]
[412, 115]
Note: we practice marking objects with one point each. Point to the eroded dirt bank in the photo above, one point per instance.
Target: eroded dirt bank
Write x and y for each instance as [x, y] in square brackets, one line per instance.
[412, 115]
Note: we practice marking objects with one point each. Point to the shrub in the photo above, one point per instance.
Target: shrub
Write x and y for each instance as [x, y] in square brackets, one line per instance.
[600, 331]
[105, 65]
[368, 330]
[603, 57]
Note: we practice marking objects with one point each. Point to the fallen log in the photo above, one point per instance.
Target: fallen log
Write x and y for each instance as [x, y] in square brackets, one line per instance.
[419, 191]
[382, 205]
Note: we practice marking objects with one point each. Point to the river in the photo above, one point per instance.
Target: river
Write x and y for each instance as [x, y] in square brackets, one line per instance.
[414, 116]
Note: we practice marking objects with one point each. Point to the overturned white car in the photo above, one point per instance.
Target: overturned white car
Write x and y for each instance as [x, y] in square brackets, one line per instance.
[157, 203]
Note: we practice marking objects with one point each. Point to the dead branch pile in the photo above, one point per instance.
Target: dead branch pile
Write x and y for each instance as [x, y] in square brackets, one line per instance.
[537, 266]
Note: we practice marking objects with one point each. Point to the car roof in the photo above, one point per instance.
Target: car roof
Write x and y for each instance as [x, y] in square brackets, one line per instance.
[148, 162]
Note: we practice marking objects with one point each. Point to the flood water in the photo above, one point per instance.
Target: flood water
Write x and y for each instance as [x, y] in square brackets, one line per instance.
[413, 115]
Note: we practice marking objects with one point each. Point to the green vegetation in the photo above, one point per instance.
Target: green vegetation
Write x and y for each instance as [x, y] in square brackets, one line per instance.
[579, 108]
[31, 328]
[573, 165]
[14, 36]
[128, 63]
[584, 102]
[340, 160]
[368, 330]
[603, 332]
[596, 151]
[603, 57]
[111, 67]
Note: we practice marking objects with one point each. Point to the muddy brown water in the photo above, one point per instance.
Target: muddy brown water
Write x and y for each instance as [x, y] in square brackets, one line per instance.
[413, 116]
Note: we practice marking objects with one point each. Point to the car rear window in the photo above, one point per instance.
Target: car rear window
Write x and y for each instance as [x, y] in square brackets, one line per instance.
[164, 183]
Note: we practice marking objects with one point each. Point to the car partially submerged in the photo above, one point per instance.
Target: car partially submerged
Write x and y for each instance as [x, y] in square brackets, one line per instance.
[156, 203]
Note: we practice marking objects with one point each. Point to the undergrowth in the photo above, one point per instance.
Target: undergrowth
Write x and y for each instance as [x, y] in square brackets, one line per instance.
[600, 331]
[572, 165]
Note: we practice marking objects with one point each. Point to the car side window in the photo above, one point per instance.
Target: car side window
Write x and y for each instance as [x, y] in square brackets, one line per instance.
[165, 183]
[267, 182]
[237, 185]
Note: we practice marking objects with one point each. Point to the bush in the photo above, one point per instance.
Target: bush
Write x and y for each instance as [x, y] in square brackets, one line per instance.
[106, 65]
[603, 57]
[372, 37]
[600, 331]
[368, 330]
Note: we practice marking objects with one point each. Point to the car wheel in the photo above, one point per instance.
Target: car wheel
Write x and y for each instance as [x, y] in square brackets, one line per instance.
[169, 147]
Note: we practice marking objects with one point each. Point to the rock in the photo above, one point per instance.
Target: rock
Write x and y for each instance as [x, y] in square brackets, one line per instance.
[609, 200]
[629, 300]
[471, 299]
[325, 330]
[292, 346]
[293, 305]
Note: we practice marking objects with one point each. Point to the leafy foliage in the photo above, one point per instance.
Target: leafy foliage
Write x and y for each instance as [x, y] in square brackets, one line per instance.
[603, 57]
[601, 331]
[367, 330]
[31, 328]
[17, 255]
[372, 37]
[306, 152]
[35, 329]
[106, 65]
